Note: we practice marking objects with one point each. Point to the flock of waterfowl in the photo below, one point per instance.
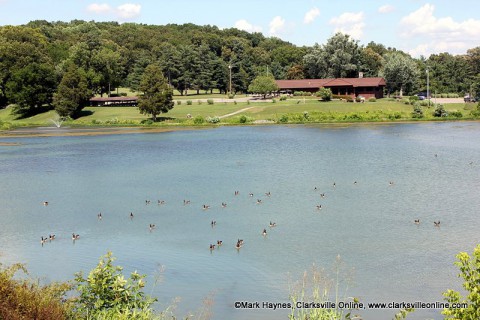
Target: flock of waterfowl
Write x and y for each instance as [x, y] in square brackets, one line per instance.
[213, 223]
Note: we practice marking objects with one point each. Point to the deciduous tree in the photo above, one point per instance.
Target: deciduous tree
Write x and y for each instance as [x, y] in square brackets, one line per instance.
[72, 93]
[263, 85]
[157, 95]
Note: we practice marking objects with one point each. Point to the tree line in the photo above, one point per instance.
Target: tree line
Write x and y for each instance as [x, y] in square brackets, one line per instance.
[63, 64]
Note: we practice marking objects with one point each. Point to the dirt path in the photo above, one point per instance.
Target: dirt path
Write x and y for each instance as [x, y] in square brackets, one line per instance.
[234, 113]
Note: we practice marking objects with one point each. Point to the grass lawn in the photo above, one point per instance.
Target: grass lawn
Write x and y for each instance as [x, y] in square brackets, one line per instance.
[254, 111]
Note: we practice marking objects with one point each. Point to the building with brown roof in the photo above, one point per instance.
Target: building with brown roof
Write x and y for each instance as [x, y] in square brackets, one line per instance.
[365, 87]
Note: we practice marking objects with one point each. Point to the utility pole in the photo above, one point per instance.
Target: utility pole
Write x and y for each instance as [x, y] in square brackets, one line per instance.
[428, 88]
[230, 68]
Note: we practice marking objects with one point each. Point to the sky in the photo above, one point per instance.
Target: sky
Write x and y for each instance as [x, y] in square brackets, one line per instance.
[414, 26]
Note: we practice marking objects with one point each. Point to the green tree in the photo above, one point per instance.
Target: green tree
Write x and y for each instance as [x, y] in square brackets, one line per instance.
[30, 88]
[19, 47]
[400, 72]
[470, 272]
[157, 95]
[371, 62]
[263, 85]
[72, 93]
[338, 58]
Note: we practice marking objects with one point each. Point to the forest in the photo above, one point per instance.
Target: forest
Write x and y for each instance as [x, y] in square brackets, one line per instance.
[80, 59]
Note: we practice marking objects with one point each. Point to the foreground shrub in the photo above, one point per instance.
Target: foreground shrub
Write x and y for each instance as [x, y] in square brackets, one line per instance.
[283, 98]
[242, 119]
[470, 272]
[27, 299]
[189, 102]
[106, 289]
[231, 96]
[372, 99]
[210, 101]
[318, 287]
[179, 102]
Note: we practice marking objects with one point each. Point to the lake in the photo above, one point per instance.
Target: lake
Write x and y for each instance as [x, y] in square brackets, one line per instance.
[403, 172]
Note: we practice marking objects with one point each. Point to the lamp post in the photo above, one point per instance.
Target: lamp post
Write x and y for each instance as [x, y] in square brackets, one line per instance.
[230, 69]
[428, 88]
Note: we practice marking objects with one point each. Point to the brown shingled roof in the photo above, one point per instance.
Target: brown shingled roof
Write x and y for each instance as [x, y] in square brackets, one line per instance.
[337, 82]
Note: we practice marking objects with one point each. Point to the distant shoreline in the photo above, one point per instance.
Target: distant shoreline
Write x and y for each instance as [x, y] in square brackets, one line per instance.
[76, 131]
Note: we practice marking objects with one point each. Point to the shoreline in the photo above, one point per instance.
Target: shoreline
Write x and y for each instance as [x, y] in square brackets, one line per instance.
[75, 131]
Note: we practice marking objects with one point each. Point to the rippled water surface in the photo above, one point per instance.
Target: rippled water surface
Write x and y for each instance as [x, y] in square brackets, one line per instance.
[369, 224]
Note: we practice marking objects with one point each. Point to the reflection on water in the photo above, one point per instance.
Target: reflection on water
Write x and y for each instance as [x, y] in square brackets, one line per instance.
[370, 224]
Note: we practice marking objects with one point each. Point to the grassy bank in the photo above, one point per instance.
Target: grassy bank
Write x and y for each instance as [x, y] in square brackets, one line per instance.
[292, 110]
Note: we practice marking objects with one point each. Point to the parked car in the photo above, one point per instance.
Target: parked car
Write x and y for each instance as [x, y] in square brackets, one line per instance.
[467, 98]
[421, 95]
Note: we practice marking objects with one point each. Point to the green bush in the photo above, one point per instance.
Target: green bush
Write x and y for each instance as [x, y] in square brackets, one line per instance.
[306, 115]
[231, 96]
[470, 273]
[179, 102]
[283, 98]
[372, 99]
[210, 101]
[325, 94]
[105, 288]
[235, 102]
[213, 119]
[455, 114]
[440, 111]
[283, 118]
[424, 103]
[147, 122]
[242, 119]
[199, 101]
[189, 102]
[417, 112]
[349, 99]
[198, 120]
[299, 93]
[273, 100]
[342, 97]
[395, 116]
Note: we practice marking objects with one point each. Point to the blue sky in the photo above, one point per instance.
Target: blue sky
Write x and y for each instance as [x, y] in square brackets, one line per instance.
[415, 26]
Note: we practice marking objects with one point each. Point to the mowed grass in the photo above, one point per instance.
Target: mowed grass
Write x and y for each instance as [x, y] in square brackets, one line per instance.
[254, 110]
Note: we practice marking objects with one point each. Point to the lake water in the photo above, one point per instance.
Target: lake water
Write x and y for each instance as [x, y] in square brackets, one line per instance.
[369, 224]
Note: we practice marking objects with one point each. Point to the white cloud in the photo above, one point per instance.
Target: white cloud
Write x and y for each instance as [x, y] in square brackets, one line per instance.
[349, 23]
[125, 11]
[386, 8]
[276, 25]
[128, 11]
[311, 15]
[246, 26]
[439, 34]
[99, 8]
